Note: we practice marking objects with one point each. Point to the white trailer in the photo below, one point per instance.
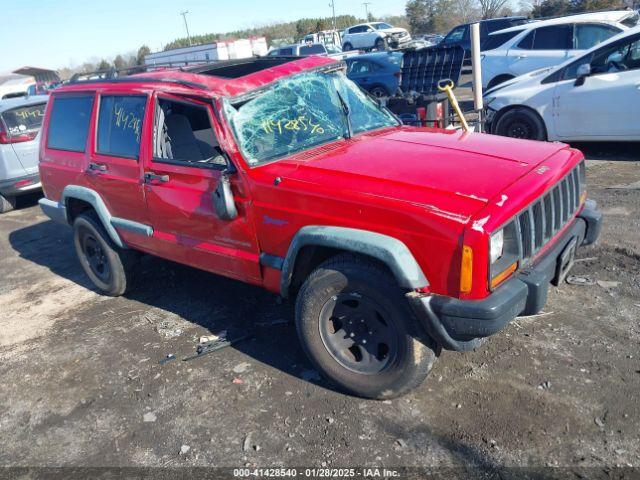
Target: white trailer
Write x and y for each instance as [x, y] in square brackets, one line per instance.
[209, 52]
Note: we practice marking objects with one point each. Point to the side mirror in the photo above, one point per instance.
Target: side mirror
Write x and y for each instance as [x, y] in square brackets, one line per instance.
[223, 201]
[583, 72]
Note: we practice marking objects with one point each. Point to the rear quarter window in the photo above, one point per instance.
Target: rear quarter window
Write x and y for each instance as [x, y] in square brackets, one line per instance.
[69, 123]
[24, 119]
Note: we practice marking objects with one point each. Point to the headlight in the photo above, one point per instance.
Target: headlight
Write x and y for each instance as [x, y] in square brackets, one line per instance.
[503, 254]
[496, 246]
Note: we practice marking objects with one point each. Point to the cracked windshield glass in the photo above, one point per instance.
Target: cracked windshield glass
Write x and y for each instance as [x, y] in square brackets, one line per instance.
[301, 112]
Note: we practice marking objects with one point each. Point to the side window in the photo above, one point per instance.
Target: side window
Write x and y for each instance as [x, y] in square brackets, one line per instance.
[285, 51]
[527, 42]
[610, 59]
[455, 35]
[120, 125]
[588, 35]
[359, 67]
[69, 123]
[183, 135]
[554, 37]
[23, 120]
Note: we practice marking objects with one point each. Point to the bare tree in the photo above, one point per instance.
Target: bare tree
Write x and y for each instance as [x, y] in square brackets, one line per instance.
[466, 11]
[491, 8]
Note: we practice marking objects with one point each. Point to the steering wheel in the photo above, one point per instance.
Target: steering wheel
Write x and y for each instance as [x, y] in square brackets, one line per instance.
[618, 65]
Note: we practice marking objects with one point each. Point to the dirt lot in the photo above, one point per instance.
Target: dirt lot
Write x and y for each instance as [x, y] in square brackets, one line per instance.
[81, 382]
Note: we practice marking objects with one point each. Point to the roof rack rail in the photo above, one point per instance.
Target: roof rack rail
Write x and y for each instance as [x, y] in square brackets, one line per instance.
[573, 14]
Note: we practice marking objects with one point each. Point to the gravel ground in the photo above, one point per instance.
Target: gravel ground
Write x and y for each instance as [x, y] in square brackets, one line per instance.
[82, 384]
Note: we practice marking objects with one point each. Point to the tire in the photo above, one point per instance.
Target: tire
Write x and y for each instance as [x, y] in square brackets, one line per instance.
[7, 203]
[521, 122]
[498, 80]
[380, 44]
[335, 317]
[110, 268]
[346, 47]
[379, 91]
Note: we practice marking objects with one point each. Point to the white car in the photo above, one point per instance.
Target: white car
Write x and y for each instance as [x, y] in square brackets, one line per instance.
[376, 35]
[15, 86]
[20, 122]
[518, 50]
[593, 97]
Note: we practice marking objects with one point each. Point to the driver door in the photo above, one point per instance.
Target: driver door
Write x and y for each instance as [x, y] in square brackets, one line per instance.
[179, 180]
[606, 105]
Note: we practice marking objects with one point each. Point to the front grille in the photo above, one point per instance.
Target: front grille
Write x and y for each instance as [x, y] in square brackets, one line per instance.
[549, 214]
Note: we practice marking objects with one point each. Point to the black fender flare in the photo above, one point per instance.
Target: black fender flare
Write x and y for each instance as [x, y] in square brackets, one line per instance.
[390, 251]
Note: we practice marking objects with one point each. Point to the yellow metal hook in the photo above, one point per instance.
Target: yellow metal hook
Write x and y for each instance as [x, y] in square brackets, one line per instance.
[446, 85]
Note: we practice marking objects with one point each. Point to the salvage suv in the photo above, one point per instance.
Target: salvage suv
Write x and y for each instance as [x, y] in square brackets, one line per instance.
[395, 242]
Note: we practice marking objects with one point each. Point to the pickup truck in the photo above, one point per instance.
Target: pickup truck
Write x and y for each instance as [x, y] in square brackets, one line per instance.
[394, 242]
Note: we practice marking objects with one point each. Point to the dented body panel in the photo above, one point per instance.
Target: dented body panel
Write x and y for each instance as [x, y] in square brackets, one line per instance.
[431, 191]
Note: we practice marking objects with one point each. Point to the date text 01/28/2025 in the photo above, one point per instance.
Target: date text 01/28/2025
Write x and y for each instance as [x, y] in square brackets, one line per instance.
[370, 472]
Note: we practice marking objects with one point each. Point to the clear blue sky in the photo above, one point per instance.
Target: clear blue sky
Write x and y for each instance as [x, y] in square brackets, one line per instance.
[59, 33]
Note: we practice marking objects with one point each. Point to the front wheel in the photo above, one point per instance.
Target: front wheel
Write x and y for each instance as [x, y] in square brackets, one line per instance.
[521, 123]
[379, 92]
[358, 330]
[380, 44]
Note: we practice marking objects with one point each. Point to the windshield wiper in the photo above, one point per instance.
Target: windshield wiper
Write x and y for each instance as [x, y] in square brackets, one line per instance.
[347, 114]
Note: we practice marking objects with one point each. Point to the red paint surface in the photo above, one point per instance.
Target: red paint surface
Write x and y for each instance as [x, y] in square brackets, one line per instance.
[425, 187]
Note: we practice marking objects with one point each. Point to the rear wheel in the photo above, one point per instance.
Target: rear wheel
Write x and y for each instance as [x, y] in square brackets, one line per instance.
[110, 268]
[521, 123]
[358, 330]
[7, 203]
[346, 47]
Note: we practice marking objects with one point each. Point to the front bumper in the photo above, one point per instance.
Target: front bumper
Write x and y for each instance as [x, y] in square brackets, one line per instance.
[20, 185]
[461, 325]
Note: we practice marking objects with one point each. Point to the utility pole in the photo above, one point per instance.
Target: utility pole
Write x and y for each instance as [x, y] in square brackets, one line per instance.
[333, 9]
[184, 16]
[366, 10]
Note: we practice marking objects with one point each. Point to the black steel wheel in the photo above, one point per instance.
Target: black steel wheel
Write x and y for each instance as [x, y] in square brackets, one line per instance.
[521, 123]
[96, 257]
[358, 330]
[110, 268]
[358, 333]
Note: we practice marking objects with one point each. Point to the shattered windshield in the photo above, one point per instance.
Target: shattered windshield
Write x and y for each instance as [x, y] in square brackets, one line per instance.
[301, 112]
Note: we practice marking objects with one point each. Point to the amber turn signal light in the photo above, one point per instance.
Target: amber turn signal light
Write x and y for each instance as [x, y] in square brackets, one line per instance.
[466, 269]
[498, 279]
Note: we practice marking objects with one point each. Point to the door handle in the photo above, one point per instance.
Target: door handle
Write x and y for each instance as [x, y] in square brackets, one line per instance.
[97, 167]
[521, 56]
[150, 177]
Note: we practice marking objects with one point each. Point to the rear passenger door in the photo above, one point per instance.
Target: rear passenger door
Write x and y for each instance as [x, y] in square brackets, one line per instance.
[180, 178]
[542, 47]
[116, 149]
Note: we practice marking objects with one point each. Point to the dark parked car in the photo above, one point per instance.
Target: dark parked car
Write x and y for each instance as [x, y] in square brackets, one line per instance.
[461, 35]
[378, 73]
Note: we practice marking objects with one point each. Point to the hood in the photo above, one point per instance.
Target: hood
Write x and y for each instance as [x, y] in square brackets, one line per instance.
[394, 30]
[534, 76]
[444, 169]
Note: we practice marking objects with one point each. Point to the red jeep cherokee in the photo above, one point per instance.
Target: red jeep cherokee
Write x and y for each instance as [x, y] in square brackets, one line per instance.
[395, 241]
